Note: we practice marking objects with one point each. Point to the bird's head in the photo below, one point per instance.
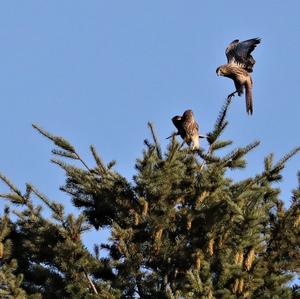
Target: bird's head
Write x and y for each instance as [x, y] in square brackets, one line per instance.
[219, 71]
[188, 113]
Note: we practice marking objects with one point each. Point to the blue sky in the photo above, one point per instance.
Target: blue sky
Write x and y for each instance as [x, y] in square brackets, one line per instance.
[96, 71]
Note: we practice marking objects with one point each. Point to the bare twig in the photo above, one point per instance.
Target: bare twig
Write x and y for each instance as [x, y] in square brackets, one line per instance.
[209, 151]
[85, 165]
[90, 282]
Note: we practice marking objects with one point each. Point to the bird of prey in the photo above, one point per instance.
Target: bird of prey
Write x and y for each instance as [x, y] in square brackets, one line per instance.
[188, 128]
[240, 65]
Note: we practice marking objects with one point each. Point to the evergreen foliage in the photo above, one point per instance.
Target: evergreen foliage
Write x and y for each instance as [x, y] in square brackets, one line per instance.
[180, 229]
[10, 284]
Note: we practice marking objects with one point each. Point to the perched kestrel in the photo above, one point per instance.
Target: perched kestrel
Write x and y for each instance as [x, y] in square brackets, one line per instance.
[240, 65]
[188, 128]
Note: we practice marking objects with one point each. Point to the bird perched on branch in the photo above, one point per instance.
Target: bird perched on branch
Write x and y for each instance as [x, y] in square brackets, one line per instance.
[240, 65]
[188, 128]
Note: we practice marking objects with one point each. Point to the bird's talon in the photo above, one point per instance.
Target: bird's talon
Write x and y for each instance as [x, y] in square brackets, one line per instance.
[229, 97]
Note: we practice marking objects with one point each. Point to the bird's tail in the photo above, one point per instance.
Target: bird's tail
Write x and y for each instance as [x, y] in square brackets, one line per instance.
[195, 142]
[249, 97]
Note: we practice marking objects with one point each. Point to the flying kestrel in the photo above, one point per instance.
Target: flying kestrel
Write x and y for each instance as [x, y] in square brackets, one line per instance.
[188, 128]
[240, 65]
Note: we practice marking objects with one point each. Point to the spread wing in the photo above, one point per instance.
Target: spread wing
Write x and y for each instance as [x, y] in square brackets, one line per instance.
[240, 53]
[177, 121]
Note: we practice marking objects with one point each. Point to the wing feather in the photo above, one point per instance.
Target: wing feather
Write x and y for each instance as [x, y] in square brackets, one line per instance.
[240, 53]
[177, 121]
[191, 128]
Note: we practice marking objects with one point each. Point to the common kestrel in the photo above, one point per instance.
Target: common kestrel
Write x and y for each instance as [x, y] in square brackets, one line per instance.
[188, 128]
[240, 65]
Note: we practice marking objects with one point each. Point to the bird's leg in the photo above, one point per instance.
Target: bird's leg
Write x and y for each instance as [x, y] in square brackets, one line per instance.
[231, 95]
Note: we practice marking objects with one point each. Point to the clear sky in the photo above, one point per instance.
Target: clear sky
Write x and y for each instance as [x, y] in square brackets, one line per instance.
[96, 71]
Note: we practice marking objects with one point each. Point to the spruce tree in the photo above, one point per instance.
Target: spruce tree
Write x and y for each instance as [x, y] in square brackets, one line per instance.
[10, 284]
[181, 228]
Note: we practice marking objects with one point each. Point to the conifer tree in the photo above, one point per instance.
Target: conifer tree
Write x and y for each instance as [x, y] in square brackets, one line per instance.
[180, 229]
[10, 284]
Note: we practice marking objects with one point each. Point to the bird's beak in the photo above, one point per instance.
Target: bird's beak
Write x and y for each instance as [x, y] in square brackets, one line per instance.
[218, 72]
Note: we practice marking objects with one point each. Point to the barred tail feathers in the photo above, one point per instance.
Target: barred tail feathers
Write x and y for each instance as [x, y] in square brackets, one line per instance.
[249, 96]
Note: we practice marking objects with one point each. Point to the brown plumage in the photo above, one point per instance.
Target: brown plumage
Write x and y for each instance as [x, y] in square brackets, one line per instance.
[240, 65]
[188, 128]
